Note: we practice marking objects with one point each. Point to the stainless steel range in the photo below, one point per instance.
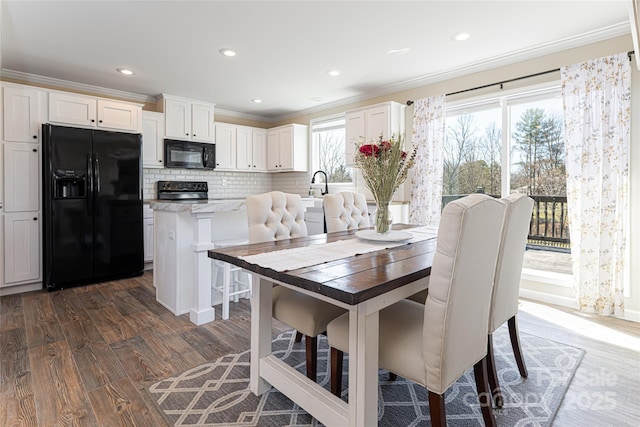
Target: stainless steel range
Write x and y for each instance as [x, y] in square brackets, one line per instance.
[183, 190]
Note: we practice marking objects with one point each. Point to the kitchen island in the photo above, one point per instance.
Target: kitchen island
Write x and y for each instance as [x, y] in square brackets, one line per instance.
[183, 233]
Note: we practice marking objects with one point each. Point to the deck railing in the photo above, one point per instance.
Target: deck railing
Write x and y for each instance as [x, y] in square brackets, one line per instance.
[549, 227]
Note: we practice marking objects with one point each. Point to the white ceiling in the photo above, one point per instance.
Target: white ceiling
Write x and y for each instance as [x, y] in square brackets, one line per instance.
[285, 48]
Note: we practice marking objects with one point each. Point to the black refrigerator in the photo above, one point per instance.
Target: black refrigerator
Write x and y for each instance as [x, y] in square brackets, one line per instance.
[92, 206]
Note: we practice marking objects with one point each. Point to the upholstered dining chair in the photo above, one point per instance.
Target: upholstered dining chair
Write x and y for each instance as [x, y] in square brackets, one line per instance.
[275, 216]
[435, 343]
[345, 211]
[504, 301]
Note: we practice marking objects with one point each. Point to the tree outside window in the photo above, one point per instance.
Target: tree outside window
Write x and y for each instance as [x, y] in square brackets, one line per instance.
[328, 139]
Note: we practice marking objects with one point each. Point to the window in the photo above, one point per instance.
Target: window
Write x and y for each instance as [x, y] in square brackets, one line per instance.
[328, 149]
[514, 144]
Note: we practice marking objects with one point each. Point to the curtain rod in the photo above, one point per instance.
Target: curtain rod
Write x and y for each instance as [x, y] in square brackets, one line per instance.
[631, 52]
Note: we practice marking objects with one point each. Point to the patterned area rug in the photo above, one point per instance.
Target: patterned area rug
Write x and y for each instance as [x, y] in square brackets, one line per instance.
[216, 393]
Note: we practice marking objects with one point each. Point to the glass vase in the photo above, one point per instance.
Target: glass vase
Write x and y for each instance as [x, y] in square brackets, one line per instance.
[383, 217]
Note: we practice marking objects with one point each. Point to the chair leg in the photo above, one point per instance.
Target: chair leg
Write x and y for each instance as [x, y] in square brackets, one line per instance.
[226, 283]
[298, 337]
[484, 394]
[492, 372]
[515, 344]
[311, 344]
[436, 410]
[337, 358]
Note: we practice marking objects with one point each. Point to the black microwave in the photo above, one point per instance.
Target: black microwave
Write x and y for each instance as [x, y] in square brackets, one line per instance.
[189, 155]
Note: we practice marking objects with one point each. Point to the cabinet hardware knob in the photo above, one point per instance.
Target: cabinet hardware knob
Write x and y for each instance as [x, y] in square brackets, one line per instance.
[99, 121]
[250, 166]
[187, 134]
[159, 161]
[35, 150]
[194, 134]
[35, 136]
[35, 218]
[93, 121]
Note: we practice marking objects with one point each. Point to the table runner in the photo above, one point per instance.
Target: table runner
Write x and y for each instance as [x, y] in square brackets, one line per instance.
[292, 259]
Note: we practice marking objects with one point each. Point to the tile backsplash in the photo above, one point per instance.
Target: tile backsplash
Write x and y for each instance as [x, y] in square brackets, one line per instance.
[221, 184]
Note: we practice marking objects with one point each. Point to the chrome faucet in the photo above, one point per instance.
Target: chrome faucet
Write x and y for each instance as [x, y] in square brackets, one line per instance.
[326, 182]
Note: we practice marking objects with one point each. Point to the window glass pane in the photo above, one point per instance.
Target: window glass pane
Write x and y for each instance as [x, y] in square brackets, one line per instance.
[537, 148]
[328, 139]
[472, 159]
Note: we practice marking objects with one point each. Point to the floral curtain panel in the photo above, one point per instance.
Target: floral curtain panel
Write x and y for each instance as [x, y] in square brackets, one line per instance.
[426, 183]
[597, 115]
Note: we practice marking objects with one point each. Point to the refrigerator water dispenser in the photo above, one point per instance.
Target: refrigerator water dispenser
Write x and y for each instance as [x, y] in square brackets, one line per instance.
[69, 185]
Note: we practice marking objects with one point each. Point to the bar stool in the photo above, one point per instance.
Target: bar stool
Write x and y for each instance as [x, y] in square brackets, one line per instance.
[231, 285]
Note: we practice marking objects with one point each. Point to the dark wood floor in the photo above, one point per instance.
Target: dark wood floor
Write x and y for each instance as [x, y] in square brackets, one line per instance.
[84, 356]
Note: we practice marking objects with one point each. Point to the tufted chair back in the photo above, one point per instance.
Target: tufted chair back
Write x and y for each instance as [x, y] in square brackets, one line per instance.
[456, 314]
[506, 290]
[345, 211]
[275, 216]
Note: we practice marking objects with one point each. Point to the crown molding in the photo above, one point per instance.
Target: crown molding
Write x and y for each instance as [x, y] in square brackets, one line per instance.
[98, 90]
[230, 113]
[601, 34]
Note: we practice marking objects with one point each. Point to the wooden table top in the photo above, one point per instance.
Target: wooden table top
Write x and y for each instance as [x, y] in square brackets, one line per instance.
[350, 280]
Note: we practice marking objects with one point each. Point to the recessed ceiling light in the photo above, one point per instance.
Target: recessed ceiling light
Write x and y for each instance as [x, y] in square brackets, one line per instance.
[398, 51]
[461, 36]
[124, 71]
[316, 99]
[333, 73]
[227, 52]
[256, 100]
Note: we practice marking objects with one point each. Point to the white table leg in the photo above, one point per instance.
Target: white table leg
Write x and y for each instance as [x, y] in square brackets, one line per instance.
[363, 370]
[260, 331]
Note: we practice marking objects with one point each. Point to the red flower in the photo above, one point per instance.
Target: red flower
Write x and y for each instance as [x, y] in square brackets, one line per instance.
[385, 145]
[369, 150]
[404, 154]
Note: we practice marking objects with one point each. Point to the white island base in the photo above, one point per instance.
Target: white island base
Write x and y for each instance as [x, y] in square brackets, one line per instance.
[183, 233]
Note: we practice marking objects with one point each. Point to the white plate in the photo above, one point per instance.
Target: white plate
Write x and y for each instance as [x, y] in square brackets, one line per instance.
[391, 236]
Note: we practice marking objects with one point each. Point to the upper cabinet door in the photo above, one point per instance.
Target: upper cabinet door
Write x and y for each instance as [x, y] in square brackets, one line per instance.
[118, 115]
[178, 118]
[244, 149]
[225, 147]
[21, 177]
[202, 122]
[285, 148]
[259, 150]
[378, 123]
[152, 139]
[273, 151]
[72, 109]
[21, 118]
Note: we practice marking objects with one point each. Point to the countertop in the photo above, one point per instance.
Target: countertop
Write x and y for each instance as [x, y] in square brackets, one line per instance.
[199, 206]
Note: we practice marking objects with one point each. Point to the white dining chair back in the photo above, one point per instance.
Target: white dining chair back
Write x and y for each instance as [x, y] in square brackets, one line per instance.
[274, 216]
[345, 210]
[506, 290]
[457, 307]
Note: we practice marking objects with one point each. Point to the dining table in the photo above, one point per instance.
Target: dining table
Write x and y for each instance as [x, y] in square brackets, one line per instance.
[361, 275]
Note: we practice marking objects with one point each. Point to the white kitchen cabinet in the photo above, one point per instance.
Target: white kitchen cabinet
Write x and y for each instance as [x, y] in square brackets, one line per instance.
[22, 117]
[21, 247]
[366, 124]
[86, 111]
[147, 217]
[187, 119]
[152, 139]
[118, 115]
[251, 149]
[225, 147]
[287, 148]
[21, 176]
